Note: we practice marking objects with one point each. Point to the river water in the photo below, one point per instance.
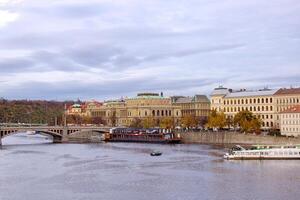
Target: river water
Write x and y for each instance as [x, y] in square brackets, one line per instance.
[33, 169]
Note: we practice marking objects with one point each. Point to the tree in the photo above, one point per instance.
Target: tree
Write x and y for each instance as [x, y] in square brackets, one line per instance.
[216, 120]
[167, 123]
[136, 123]
[189, 121]
[97, 120]
[148, 122]
[247, 121]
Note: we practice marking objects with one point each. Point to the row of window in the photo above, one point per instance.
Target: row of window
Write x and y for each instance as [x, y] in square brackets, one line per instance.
[290, 100]
[296, 115]
[251, 108]
[291, 122]
[247, 101]
[291, 129]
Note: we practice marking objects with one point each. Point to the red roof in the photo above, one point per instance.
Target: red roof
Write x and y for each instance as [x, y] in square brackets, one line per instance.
[284, 91]
[294, 109]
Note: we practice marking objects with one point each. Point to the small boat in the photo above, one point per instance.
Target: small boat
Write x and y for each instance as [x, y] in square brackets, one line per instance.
[260, 152]
[156, 153]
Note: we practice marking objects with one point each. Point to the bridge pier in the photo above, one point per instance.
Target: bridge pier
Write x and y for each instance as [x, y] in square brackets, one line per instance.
[65, 137]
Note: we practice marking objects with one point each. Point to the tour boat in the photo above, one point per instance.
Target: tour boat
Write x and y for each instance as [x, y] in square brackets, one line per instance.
[264, 152]
[153, 135]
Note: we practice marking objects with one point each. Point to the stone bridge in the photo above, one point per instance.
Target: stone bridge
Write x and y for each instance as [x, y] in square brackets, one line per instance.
[59, 133]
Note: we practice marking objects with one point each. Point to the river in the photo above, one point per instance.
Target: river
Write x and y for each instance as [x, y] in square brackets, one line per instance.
[31, 168]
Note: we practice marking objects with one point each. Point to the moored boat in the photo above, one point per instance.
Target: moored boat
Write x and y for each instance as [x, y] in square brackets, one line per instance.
[264, 152]
[153, 135]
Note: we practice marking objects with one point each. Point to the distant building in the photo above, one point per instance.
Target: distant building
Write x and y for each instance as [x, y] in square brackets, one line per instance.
[290, 121]
[198, 105]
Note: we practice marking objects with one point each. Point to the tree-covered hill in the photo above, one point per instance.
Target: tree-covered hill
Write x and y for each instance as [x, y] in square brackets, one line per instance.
[31, 111]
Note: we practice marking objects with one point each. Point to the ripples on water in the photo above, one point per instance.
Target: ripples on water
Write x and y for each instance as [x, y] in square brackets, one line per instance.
[30, 170]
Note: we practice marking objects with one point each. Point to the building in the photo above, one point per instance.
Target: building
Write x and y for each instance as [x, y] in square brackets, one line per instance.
[144, 105]
[152, 105]
[261, 103]
[198, 105]
[75, 109]
[290, 121]
[285, 99]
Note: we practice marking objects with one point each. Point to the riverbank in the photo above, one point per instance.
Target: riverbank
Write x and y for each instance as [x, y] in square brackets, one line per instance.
[228, 138]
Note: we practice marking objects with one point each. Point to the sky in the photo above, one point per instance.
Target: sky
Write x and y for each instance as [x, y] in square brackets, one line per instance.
[106, 49]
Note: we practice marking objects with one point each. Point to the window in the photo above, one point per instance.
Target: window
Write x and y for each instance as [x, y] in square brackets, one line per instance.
[258, 100]
[262, 100]
[267, 100]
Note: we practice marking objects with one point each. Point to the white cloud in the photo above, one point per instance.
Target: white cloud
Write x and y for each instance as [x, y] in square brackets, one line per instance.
[7, 17]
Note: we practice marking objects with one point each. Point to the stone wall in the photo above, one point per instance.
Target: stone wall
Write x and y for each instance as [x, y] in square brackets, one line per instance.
[224, 138]
[85, 137]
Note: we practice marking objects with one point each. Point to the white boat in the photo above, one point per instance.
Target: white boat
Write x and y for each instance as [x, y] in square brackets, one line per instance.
[264, 152]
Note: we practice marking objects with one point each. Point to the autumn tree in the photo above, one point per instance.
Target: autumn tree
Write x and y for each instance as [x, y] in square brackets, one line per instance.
[167, 123]
[136, 123]
[247, 121]
[216, 120]
[189, 121]
[148, 122]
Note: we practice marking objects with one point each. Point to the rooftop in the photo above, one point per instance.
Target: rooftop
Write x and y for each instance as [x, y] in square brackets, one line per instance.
[265, 92]
[284, 91]
[196, 98]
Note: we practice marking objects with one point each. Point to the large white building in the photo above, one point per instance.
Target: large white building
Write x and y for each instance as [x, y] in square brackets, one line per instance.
[261, 103]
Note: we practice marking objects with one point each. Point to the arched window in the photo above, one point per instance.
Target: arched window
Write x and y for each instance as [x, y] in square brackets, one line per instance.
[162, 113]
[246, 101]
[242, 101]
[254, 108]
[170, 112]
[263, 124]
[271, 108]
[267, 108]
[258, 108]
[238, 101]
[262, 100]
[262, 108]
[153, 112]
[267, 124]
[254, 100]
[250, 101]
[258, 100]
[157, 112]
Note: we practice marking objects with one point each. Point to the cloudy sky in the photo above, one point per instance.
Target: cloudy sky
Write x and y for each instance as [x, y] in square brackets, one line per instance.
[101, 49]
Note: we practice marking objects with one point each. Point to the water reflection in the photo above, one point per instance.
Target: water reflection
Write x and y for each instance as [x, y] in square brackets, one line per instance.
[127, 171]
